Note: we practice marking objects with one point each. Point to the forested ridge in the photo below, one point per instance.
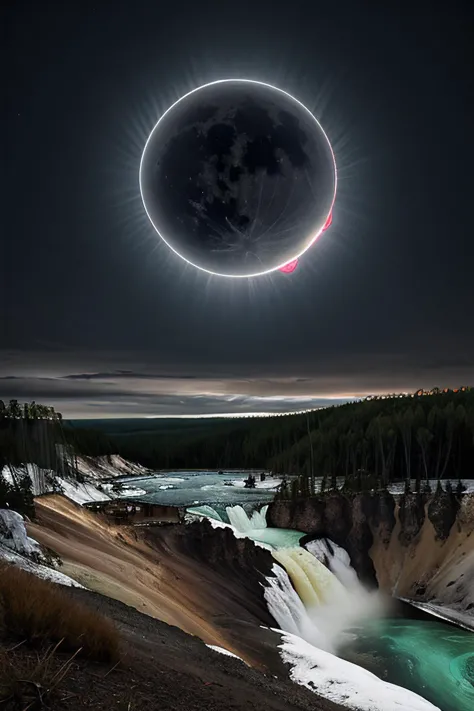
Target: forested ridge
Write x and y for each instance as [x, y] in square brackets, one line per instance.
[378, 440]
[29, 433]
[420, 436]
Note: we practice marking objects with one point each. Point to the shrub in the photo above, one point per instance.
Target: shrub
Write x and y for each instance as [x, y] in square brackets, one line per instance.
[40, 613]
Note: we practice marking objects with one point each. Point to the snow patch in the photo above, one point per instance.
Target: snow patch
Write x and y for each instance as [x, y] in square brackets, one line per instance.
[104, 467]
[46, 481]
[13, 534]
[221, 650]
[18, 548]
[343, 682]
[38, 569]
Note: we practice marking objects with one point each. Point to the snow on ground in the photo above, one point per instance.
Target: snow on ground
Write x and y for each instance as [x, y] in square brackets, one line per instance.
[13, 534]
[444, 612]
[45, 481]
[343, 682]
[42, 571]
[399, 487]
[83, 493]
[42, 480]
[221, 650]
[107, 467]
[16, 547]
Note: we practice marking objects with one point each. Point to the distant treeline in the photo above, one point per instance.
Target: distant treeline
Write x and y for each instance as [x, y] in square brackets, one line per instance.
[32, 433]
[29, 432]
[425, 436]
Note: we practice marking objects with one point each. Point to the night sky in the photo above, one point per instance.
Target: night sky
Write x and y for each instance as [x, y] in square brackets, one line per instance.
[99, 318]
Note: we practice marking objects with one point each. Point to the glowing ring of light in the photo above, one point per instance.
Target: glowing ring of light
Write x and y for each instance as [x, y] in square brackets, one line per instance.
[281, 91]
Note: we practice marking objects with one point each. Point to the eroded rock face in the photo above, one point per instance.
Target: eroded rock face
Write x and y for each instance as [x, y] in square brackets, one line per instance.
[306, 515]
[442, 512]
[384, 516]
[412, 516]
[338, 516]
[219, 561]
[360, 538]
[345, 520]
[420, 547]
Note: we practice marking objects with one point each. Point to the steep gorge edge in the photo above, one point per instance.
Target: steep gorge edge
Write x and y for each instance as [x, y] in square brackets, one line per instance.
[414, 546]
[204, 581]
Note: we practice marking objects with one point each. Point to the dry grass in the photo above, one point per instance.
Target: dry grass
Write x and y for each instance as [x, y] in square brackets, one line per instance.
[28, 682]
[40, 613]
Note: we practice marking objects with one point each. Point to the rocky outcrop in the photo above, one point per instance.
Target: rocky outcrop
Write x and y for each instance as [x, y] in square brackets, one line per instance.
[384, 517]
[345, 520]
[237, 563]
[306, 515]
[411, 514]
[442, 512]
[417, 547]
[360, 538]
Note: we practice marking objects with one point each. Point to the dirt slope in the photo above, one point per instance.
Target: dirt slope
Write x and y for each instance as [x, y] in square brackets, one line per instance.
[200, 580]
[164, 669]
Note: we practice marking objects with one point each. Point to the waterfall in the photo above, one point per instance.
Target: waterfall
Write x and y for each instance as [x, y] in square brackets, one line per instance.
[327, 607]
[287, 609]
[239, 519]
[337, 560]
[313, 582]
[315, 593]
[315, 597]
[205, 511]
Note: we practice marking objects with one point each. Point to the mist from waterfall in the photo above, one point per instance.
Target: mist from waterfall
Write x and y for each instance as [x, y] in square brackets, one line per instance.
[322, 612]
[321, 607]
[314, 591]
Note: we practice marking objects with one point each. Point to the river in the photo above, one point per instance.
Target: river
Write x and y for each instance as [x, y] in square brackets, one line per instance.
[431, 658]
[193, 488]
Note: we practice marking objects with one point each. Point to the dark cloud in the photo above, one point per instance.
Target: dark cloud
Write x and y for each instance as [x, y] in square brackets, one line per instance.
[118, 374]
[128, 391]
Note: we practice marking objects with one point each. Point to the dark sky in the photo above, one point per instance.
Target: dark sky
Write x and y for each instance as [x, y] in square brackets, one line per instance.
[98, 318]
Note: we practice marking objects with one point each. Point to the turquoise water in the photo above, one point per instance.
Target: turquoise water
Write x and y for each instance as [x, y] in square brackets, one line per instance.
[188, 488]
[431, 658]
[276, 537]
[194, 488]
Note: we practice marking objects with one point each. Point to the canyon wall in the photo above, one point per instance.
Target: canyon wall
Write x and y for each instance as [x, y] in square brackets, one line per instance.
[413, 546]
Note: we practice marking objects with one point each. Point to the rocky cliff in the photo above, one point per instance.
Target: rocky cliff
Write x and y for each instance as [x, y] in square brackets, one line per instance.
[416, 546]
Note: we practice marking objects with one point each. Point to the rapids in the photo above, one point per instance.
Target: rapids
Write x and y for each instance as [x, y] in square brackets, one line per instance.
[316, 595]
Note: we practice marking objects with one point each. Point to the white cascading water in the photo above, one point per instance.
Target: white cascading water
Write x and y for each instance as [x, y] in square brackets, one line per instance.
[315, 593]
[205, 511]
[315, 596]
[337, 559]
[331, 608]
[239, 519]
